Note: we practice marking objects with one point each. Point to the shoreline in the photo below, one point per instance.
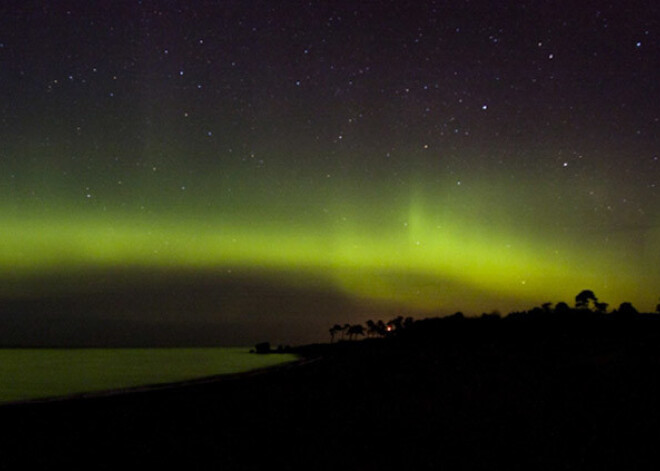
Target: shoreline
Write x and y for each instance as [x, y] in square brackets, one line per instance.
[155, 386]
[147, 388]
[451, 398]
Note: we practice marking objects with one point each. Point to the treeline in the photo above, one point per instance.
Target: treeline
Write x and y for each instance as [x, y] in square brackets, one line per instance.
[370, 329]
[587, 307]
[586, 303]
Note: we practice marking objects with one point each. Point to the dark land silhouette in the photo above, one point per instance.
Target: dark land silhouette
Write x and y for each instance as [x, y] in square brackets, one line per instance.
[550, 388]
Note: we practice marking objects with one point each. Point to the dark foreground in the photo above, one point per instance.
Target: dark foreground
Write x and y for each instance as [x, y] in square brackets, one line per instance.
[464, 395]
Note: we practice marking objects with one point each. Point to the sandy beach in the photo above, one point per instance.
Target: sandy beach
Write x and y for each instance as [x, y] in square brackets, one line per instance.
[470, 397]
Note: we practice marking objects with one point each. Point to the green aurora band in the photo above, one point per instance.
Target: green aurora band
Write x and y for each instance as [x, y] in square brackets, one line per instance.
[427, 246]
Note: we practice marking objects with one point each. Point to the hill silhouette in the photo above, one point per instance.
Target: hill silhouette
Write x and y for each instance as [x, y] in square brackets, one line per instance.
[545, 389]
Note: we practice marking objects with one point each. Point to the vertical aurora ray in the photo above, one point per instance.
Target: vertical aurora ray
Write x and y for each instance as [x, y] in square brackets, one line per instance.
[262, 166]
[435, 248]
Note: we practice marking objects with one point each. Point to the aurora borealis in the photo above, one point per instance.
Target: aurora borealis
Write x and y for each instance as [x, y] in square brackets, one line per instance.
[404, 156]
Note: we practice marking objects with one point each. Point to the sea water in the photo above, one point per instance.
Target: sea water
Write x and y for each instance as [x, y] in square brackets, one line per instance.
[44, 373]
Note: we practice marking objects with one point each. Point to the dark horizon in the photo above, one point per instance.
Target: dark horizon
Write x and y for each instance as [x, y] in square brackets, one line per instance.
[144, 310]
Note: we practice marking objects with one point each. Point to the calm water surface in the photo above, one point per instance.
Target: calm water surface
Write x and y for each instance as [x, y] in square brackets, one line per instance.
[43, 373]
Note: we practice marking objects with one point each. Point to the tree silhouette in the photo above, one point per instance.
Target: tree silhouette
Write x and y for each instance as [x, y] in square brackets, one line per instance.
[395, 324]
[627, 309]
[583, 299]
[334, 330]
[344, 330]
[381, 328]
[354, 330]
[494, 314]
[372, 328]
[562, 308]
[601, 307]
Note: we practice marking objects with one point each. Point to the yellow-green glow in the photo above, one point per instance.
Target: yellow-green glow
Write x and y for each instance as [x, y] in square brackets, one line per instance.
[248, 177]
[417, 255]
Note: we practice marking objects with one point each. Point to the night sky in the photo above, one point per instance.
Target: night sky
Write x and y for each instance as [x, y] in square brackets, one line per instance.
[288, 165]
